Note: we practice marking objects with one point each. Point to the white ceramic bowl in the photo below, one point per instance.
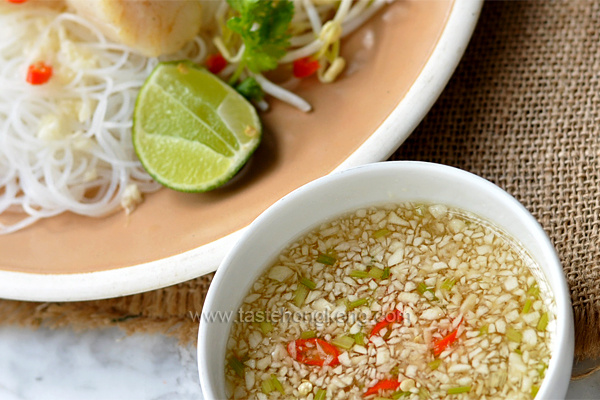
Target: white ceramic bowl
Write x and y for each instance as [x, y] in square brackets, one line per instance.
[376, 184]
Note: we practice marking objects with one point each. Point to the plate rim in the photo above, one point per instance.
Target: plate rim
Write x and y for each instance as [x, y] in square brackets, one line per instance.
[405, 117]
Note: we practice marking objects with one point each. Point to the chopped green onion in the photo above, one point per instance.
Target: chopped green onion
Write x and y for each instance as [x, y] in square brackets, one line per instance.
[386, 273]
[343, 342]
[266, 327]
[423, 393]
[518, 351]
[534, 391]
[237, 366]
[321, 394]
[395, 370]
[381, 233]
[358, 274]
[513, 335]
[308, 283]
[300, 295]
[308, 334]
[435, 364]
[376, 273]
[543, 322]
[461, 389]
[542, 370]
[359, 338]
[448, 284]
[399, 394]
[527, 306]
[267, 386]
[381, 398]
[387, 334]
[326, 259]
[356, 303]
[276, 384]
[421, 288]
[534, 291]
[483, 330]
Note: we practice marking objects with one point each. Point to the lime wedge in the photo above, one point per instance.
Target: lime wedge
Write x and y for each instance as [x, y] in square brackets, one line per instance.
[191, 131]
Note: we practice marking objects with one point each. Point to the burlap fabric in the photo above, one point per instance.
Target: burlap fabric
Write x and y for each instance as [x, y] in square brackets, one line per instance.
[522, 110]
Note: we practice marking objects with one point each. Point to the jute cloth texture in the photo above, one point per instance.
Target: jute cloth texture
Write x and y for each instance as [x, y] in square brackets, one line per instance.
[522, 110]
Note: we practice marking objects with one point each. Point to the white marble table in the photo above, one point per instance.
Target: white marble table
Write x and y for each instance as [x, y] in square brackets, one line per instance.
[107, 365]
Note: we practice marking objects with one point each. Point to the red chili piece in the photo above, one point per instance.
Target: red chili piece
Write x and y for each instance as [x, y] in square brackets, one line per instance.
[386, 384]
[392, 317]
[16, 1]
[216, 63]
[304, 67]
[442, 344]
[313, 351]
[39, 73]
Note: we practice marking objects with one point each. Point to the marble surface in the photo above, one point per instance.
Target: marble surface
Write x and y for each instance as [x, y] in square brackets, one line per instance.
[108, 365]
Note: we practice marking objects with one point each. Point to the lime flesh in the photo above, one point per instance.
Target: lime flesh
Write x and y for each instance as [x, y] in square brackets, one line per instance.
[191, 131]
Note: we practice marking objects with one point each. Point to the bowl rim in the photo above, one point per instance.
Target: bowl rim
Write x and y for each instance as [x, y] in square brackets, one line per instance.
[175, 269]
[558, 372]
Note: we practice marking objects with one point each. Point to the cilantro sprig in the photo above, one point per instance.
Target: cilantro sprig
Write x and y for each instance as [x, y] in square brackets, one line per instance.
[250, 89]
[264, 27]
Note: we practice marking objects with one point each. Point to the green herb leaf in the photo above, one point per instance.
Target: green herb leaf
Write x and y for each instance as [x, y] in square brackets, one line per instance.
[263, 26]
[250, 89]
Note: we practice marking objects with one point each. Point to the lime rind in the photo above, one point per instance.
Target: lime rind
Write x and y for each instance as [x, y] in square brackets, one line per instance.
[187, 139]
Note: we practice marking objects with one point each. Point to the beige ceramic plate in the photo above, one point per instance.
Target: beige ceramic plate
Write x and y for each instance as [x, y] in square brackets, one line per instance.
[398, 65]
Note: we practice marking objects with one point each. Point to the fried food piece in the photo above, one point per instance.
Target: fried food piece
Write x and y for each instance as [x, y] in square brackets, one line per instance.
[151, 27]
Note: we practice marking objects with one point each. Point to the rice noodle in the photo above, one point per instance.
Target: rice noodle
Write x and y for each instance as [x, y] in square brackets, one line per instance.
[51, 161]
[66, 145]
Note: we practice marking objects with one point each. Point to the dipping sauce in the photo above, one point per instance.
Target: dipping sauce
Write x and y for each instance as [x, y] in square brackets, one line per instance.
[407, 301]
